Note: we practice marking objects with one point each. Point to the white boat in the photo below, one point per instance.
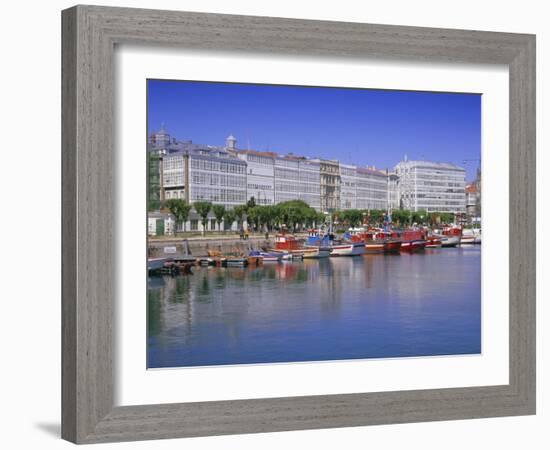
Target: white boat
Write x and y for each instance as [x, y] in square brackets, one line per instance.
[449, 241]
[268, 256]
[315, 252]
[347, 249]
[470, 236]
[288, 256]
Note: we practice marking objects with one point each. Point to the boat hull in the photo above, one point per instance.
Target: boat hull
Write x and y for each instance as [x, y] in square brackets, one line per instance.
[467, 240]
[413, 246]
[392, 246]
[315, 252]
[374, 247]
[450, 241]
[433, 242]
[235, 262]
[348, 249]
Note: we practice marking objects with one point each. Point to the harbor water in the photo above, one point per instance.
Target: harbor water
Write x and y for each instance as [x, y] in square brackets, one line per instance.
[371, 306]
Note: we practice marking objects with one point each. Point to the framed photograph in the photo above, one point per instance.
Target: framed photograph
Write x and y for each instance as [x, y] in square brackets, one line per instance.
[276, 224]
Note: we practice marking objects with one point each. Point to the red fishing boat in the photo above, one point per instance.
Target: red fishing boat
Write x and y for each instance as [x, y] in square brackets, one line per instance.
[433, 241]
[377, 240]
[413, 240]
[393, 244]
[287, 243]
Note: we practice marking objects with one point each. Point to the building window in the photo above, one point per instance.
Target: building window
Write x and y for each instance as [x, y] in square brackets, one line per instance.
[194, 225]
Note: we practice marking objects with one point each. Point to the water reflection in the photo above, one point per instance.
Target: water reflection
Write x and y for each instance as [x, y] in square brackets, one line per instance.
[335, 308]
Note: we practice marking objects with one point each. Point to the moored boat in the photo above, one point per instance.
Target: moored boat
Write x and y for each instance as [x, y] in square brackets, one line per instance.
[206, 261]
[235, 262]
[315, 247]
[433, 241]
[413, 240]
[347, 248]
[267, 257]
[315, 252]
[452, 236]
[449, 241]
[467, 240]
[287, 244]
[392, 246]
[376, 240]
[470, 236]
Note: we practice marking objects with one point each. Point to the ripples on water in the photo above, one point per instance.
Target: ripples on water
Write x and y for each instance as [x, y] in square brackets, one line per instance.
[372, 306]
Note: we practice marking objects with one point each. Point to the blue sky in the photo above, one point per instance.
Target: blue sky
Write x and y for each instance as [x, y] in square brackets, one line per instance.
[359, 126]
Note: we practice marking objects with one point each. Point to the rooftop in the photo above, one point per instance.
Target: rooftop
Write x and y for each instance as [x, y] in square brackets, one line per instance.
[371, 171]
[258, 153]
[429, 164]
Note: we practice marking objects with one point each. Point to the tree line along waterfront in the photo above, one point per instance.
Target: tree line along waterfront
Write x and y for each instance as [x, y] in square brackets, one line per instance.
[293, 215]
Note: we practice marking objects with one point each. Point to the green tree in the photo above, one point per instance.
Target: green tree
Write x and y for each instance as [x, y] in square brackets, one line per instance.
[268, 216]
[219, 212]
[352, 217]
[420, 216]
[251, 203]
[401, 216]
[253, 216]
[277, 215]
[447, 217]
[229, 217]
[434, 218]
[240, 211]
[376, 216]
[180, 209]
[319, 219]
[203, 208]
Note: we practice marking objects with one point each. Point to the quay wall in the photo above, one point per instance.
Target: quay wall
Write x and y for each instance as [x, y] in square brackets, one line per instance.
[200, 247]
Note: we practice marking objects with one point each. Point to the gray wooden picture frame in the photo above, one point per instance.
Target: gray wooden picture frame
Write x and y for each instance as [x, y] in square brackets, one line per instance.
[89, 37]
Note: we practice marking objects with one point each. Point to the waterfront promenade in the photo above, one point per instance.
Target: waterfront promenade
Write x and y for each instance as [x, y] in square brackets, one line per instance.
[199, 245]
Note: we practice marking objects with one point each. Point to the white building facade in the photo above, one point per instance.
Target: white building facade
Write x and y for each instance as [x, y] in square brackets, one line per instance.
[348, 186]
[297, 178]
[217, 176]
[371, 189]
[431, 186]
[230, 176]
[260, 176]
[174, 175]
[310, 181]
